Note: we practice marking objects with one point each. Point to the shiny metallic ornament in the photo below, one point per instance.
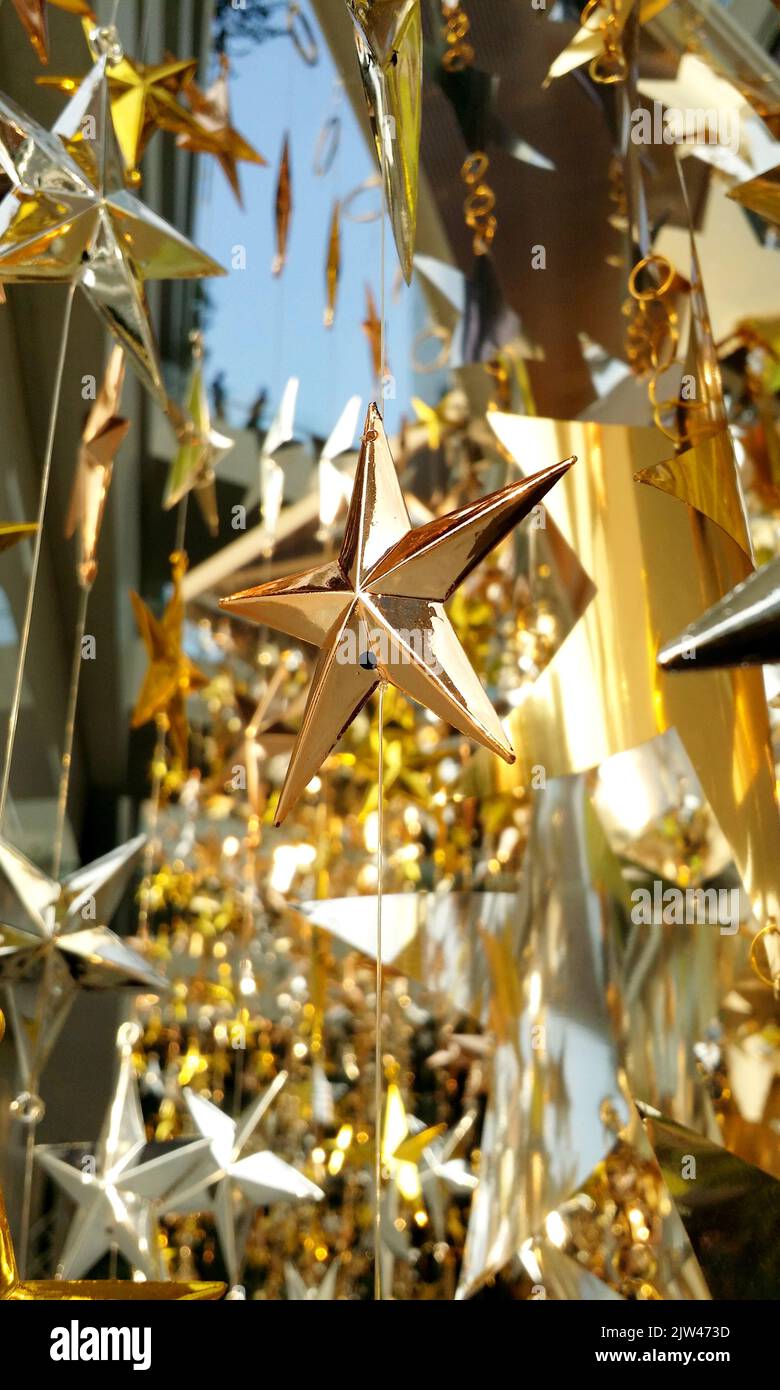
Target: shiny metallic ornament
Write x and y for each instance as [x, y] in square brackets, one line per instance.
[59, 930]
[333, 265]
[15, 1289]
[652, 565]
[761, 195]
[101, 437]
[69, 218]
[170, 677]
[377, 612]
[201, 449]
[260, 1177]
[742, 629]
[214, 132]
[32, 14]
[729, 1208]
[388, 36]
[283, 208]
[118, 1194]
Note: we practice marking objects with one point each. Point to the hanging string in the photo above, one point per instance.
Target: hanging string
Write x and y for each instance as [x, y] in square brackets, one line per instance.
[16, 698]
[158, 772]
[378, 1291]
[70, 730]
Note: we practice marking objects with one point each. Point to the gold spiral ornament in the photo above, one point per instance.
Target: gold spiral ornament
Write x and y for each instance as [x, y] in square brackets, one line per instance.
[458, 53]
[652, 340]
[602, 17]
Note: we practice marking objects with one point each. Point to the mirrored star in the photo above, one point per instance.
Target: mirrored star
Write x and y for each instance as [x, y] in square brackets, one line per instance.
[118, 1194]
[69, 218]
[377, 612]
[262, 1178]
[61, 927]
[298, 1291]
[741, 629]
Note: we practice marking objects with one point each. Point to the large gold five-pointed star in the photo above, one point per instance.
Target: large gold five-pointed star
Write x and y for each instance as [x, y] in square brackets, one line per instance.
[70, 218]
[376, 612]
[15, 1289]
[170, 676]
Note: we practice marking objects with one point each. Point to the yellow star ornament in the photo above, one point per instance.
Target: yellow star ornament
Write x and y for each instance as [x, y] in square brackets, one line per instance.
[211, 130]
[170, 676]
[143, 99]
[17, 1290]
[377, 614]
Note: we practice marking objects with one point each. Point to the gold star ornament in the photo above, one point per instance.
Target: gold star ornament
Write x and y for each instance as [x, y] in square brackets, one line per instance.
[143, 99]
[377, 614]
[170, 676]
[32, 15]
[201, 448]
[213, 132]
[17, 1290]
[69, 218]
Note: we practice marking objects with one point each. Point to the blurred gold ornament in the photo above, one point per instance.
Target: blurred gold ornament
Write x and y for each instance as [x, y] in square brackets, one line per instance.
[377, 612]
[480, 202]
[388, 35]
[283, 207]
[11, 532]
[101, 437]
[214, 132]
[32, 14]
[653, 565]
[459, 53]
[170, 676]
[200, 450]
[372, 327]
[599, 40]
[143, 99]
[761, 195]
[15, 1289]
[69, 218]
[333, 264]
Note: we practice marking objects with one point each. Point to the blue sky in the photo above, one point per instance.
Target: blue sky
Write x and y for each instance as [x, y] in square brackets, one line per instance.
[264, 330]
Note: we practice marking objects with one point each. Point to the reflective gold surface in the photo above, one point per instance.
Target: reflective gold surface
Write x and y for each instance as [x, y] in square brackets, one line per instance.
[655, 566]
[200, 450]
[32, 14]
[388, 35]
[730, 1210]
[14, 1289]
[761, 195]
[69, 217]
[376, 613]
[12, 532]
[101, 437]
[283, 207]
[213, 131]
